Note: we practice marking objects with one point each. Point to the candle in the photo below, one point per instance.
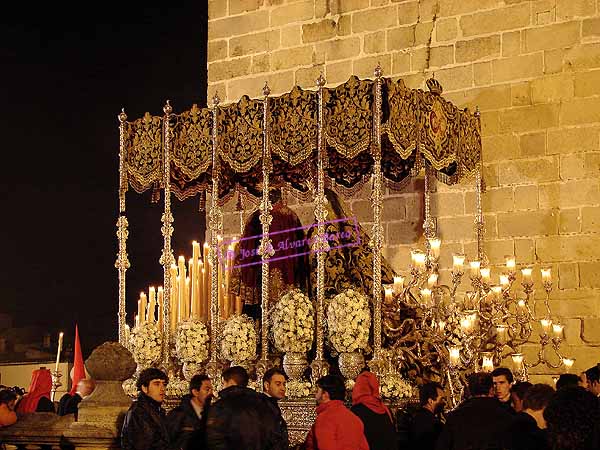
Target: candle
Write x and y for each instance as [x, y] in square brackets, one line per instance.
[510, 263]
[195, 305]
[526, 272]
[137, 320]
[546, 325]
[454, 355]
[161, 306]
[568, 363]
[432, 280]
[142, 312]
[388, 295]
[496, 292]
[504, 281]
[398, 284]
[485, 274]
[517, 361]
[546, 275]
[501, 333]
[487, 364]
[434, 245]
[59, 349]
[475, 266]
[441, 326]
[426, 297]
[181, 288]
[173, 299]
[203, 303]
[458, 262]
[557, 330]
[418, 259]
[151, 305]
[187, 298]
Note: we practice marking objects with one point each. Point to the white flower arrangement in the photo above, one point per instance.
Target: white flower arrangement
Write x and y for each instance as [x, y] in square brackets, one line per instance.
[349, 321]
[298, 389]
[393, 386]
[238, 339]
[191, 342]
[145, 344]
[177, 388]
[293, 323]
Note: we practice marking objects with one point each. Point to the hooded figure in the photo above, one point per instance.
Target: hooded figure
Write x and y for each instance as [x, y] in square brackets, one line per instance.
[37, 398]
[375, 416]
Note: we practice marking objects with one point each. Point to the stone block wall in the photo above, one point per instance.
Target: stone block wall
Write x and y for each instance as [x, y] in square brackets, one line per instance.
[533, 69]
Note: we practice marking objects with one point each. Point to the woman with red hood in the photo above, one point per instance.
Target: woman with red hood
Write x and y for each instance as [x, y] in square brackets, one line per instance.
[37, 398]
[376, 417]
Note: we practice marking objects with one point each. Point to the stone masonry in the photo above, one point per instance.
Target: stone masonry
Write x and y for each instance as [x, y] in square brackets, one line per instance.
[533, 69]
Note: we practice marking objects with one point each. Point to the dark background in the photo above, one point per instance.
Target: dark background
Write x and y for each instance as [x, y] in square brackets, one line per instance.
[66, 74]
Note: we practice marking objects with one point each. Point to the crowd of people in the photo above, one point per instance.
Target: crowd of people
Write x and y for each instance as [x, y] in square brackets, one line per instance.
[497, 414]
[15, 402]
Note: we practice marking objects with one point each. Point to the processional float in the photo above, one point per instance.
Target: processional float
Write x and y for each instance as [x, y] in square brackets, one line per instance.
[363, 131]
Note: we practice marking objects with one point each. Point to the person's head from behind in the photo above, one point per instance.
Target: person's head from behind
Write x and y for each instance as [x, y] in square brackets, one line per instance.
[201, 389]
[330, 387]
[535, 401]
[567, 380]
[517, 394]
[8, 398]
[502, 379]
[85, 387]
[235, 376]
[274, 382]
[571, 417]
[431, 397]
[153, 382]
[480, 384]
[583, 380]
[593, 380]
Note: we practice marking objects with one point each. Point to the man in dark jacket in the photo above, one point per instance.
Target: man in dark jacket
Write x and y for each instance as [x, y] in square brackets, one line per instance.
[274, 381]
[426, 426]
[242, 418]
[145, 426]
[528, 428]
[479, 422]
[189, 418]
[69, 404]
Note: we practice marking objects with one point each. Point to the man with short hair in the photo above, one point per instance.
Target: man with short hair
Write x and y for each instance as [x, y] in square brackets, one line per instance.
[479, 422]
[503, 378]
[567, 380]
[145, 425]
[592, 376]
[70, 405]
[189, 418]
[274, 383]
[517, 394]
[527, 430]
[426, 426]
[242, 418]
[335, 428]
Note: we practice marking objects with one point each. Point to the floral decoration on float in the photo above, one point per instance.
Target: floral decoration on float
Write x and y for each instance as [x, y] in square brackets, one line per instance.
[145, 344]
[238, 340]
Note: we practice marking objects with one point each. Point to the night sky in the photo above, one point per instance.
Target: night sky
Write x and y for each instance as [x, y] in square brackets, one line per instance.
[65, 76]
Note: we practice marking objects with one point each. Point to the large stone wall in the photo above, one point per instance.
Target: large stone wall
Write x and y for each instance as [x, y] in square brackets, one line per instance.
[533, 69]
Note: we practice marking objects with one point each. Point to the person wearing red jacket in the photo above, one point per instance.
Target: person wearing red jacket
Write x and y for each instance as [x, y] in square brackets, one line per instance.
[7, 407]
[335, 428]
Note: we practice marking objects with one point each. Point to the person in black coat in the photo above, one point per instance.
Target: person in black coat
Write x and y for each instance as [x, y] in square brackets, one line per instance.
[376, 417]
[241, 418]
[479, 422]
[145, 426]
[528, 428]
[426, 426]
[273, 382]
[189, 418]
[69, 404]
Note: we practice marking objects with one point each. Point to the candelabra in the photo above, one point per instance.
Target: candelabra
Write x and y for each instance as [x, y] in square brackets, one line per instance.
[479, 328]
